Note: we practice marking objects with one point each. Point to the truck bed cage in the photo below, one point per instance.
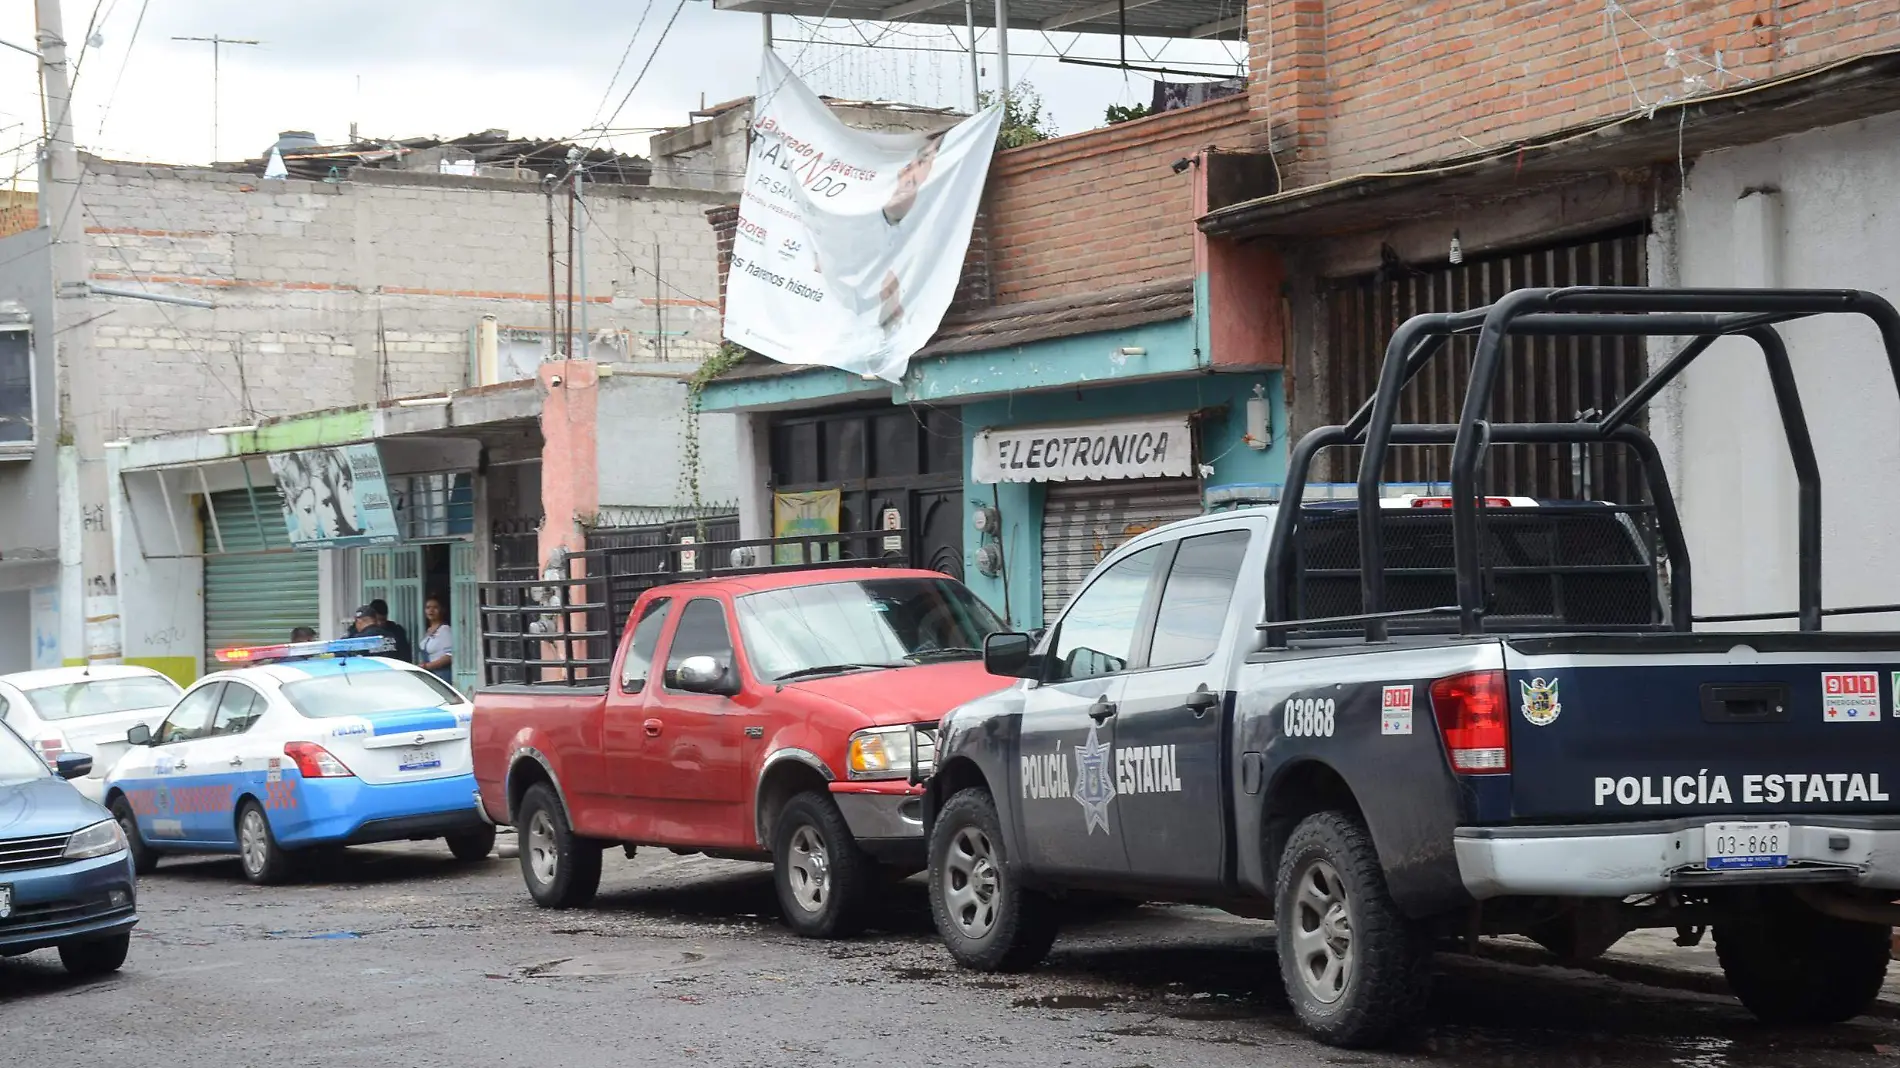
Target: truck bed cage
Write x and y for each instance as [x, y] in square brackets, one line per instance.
[1702, 315]
[562, 629]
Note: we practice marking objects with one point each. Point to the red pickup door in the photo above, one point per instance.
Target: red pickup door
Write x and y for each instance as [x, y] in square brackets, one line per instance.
[771, 716]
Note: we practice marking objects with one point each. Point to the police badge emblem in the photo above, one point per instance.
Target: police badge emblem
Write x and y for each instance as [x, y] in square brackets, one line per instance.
[1093, 787]
[1540, 706]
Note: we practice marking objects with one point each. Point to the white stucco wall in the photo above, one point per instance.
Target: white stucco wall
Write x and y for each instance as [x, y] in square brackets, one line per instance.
[1816, 210]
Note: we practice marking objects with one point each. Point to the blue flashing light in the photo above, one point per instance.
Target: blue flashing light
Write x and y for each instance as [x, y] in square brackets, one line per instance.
[369, 645]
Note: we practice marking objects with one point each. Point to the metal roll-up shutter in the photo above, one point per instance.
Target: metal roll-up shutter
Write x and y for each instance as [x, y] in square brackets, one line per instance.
[254, 597]
[1084, 521]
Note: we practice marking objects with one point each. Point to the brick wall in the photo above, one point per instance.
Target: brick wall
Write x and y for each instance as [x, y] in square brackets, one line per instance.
[333, 295]
[1342, 87]
[1100, 209]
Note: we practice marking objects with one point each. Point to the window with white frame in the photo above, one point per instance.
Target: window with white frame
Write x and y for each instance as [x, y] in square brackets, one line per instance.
[16, 389]
[440, 505]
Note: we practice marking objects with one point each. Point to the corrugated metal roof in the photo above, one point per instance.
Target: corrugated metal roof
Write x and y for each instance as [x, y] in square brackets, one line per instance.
[1145, 18]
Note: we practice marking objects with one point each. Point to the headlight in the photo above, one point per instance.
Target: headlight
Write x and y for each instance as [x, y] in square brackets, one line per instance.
[100, 839]
[885, 752]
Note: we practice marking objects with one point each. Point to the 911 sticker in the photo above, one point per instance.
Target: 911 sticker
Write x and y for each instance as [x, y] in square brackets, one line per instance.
[1850, 696]
[1395, 710]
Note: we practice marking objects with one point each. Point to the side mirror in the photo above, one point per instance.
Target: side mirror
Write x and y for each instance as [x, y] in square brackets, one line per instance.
[703, 674]
[73, 765]
[1011, 654]
[140, 734]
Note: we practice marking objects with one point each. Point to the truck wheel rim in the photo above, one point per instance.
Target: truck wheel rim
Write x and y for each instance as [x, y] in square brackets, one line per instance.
[970, 882]
[254, 841]
[543, 856]
[1322, 932]
[809, 869]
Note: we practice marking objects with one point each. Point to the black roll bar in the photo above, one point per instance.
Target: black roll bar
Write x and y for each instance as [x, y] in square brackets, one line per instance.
[1280, 540]
[1743, 307]
[1703, 315]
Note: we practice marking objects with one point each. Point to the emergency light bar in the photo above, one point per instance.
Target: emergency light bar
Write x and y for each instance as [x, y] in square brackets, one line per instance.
[1488, 502]
[264, 654]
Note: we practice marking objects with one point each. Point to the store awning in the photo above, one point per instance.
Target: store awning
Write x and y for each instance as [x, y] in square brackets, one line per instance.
[1144, 18]
[1667, 136]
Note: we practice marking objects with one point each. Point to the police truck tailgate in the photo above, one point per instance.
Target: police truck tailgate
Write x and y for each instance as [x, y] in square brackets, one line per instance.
[1620, 729]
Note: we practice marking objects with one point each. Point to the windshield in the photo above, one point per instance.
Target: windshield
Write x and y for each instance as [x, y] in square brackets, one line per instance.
[367, 692]
[102, 697]
[18, 761]
[873, 622]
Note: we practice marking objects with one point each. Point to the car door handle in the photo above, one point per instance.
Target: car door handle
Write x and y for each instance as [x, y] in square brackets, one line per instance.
[179, 766]
[1201, 701]
[652, 727]
[237, 761]
[1101, 709]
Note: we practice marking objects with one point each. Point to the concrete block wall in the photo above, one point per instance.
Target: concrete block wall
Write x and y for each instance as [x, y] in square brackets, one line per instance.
[1101, 209]
[332, 295]
[1343, 87]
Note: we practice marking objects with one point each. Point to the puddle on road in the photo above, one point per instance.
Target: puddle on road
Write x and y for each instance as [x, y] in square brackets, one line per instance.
[319, 936]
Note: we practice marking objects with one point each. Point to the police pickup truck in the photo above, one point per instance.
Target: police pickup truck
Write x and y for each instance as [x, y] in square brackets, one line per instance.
[1510, 723]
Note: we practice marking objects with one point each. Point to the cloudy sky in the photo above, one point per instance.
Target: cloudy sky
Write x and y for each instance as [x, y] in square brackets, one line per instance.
[446, 67]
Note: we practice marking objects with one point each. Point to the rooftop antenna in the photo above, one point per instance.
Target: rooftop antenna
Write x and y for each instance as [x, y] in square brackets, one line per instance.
[217, 44]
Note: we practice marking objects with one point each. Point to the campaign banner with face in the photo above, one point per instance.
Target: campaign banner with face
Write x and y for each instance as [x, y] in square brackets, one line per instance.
[850, 242]
[335, 498]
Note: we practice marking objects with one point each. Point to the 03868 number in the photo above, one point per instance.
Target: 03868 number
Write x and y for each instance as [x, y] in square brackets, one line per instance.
[1308, 717]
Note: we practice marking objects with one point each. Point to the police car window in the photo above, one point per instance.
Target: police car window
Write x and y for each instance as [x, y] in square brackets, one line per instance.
[638, 662]
[366, 691]
[1097, 635]
[701, 632]
[102, 697]
[192, 718]
[239, 709]
[1194, 602]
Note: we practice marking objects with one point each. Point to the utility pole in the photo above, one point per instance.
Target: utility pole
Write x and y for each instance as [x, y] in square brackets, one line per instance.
[568, 336]
[97, 586]
[575, 160]
[1002, 51]
[976, 78]
[554, 314]
[217, 45]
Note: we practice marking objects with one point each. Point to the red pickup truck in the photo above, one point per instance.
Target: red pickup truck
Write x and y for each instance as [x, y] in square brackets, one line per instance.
[781, 716]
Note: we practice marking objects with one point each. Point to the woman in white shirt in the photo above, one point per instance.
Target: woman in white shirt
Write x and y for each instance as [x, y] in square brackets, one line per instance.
[437, 647]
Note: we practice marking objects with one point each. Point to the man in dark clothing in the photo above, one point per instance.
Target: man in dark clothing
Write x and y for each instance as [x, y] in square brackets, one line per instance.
[396, 631]
[367, 626]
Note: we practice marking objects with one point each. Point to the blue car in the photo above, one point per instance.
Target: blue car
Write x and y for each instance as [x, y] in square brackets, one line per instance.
[66, 878]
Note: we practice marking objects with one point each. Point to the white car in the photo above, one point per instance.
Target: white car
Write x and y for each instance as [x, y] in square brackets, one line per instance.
[314, 745]
[84, 710]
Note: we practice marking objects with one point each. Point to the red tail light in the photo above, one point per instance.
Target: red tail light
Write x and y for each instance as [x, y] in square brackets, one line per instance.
[51, 746]
[1474, 716]
[315, 762]
[1445, 502]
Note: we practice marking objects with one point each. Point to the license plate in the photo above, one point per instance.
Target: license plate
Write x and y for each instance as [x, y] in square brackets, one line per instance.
[1746, 845]
[418, 760]
[6, 902]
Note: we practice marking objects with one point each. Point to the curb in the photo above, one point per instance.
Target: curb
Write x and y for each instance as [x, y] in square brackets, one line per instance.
[1699, 982]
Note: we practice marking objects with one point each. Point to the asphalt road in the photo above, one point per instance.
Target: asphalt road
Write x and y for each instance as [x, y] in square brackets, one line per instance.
[400, 957]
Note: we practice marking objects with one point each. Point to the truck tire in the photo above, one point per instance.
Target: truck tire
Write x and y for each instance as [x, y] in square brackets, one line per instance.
[825, 882]
[1357, 970]
[144, 857]
[988, 922]
[1792, 965]
[265, 862]
[561, 868]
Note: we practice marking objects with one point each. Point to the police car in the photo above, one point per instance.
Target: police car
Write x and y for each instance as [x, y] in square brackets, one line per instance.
[303, 745]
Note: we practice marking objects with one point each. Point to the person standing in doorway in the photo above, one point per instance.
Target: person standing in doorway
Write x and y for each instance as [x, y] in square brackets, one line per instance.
[438, 642]
[396, 631]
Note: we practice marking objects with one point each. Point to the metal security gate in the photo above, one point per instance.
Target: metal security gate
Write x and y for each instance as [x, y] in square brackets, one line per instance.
[1084, 521]
[1543, 380]
[254, 596]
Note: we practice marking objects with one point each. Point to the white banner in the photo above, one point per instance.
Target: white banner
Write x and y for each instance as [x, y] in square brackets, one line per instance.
[850, 242]
[1159, 447]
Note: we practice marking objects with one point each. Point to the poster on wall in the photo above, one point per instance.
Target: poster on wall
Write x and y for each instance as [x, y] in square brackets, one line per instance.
[850, 243]
[335, 498]
[520, 350]
[45, 622]
[800, 514]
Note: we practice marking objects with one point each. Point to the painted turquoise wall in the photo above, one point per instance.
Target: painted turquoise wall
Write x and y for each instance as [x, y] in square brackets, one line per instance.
[1020, 504]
